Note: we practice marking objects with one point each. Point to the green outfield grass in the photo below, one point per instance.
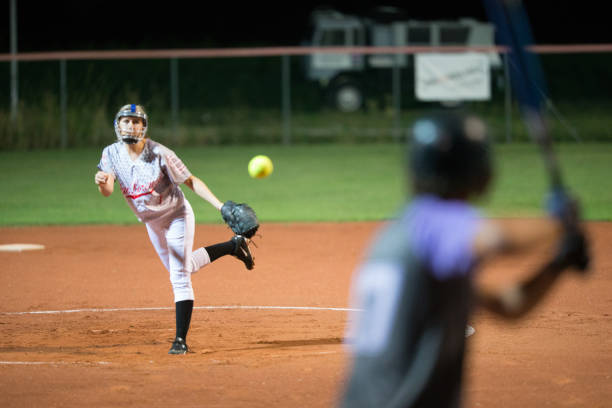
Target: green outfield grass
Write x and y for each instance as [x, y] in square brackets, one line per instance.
[310, 183]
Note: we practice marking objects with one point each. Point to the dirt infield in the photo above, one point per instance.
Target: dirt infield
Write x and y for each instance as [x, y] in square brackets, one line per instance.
[271, 337]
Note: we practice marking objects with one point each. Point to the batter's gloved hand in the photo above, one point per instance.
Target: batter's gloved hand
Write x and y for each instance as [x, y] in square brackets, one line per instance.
[240, 218]
[573, 251]
[563, 207]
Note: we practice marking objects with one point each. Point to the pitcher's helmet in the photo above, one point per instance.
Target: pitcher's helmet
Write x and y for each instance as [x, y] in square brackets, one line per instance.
[131, 110]
[449, 155]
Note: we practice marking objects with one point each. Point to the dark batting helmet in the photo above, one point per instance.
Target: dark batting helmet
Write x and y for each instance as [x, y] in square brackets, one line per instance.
[449, 155]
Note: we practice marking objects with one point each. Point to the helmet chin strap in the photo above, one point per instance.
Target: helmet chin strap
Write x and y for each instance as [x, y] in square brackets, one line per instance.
[130, 140]
[132, 137]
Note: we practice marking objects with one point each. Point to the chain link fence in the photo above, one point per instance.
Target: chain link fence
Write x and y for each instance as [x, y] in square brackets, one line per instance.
[269, 98]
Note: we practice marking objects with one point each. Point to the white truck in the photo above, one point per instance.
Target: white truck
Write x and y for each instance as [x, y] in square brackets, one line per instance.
[344, 76]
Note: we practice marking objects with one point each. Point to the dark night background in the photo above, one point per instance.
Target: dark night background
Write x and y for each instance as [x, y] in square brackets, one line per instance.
[110, 24]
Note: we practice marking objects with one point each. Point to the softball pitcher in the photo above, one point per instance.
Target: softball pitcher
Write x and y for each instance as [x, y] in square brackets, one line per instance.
[149, 175]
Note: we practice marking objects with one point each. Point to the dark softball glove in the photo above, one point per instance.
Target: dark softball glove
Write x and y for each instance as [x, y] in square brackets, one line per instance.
[240, 218]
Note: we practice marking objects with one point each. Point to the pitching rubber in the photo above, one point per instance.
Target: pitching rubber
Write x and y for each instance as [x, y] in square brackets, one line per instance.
[20, 247]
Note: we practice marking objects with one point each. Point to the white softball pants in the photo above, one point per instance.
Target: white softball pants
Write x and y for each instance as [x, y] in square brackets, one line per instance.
[172, 237]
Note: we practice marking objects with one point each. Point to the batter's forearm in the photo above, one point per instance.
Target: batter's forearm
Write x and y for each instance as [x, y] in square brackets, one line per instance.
[518, 300]
[522, 237]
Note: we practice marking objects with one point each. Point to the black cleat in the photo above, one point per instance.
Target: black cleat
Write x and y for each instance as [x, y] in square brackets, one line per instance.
[178, 346]
[242, 252]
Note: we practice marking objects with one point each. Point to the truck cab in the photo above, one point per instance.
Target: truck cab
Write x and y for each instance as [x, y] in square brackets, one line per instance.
[343, 75]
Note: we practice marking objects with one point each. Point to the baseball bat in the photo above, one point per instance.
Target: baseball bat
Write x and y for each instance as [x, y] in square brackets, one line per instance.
[526, 77]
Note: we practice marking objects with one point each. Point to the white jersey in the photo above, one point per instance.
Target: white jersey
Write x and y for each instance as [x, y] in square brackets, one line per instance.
[150, 184]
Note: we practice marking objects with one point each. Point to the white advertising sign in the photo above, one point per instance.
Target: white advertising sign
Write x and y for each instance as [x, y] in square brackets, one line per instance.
[452, 77]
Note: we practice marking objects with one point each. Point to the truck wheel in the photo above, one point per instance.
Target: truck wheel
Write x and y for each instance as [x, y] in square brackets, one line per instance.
[348, 98]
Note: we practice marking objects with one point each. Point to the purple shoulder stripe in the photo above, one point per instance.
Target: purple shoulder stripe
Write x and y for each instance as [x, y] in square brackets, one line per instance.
[442, 233]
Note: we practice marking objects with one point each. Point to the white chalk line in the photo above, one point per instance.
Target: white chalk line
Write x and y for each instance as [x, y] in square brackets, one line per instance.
[144, 309]
[53, 363]
[316, 353]
[134, 309]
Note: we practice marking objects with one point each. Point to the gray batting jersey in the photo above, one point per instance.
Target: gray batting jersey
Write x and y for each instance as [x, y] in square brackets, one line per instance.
[414, 293]
[150, 184]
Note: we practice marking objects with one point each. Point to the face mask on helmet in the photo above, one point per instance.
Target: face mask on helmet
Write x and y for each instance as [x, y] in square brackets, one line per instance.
[131, 124]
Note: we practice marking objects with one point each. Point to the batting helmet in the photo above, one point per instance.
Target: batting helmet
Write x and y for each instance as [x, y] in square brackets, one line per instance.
[450, 155]
[131, 110]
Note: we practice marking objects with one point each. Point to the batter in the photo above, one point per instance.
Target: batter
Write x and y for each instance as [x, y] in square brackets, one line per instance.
[415, 288]
[149, 175]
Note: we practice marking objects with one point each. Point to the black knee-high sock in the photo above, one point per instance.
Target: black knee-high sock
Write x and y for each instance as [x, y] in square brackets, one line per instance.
[183, 317]
[218, 250]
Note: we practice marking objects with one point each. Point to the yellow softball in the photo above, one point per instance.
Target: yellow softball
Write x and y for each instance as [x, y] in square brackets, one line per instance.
[260, 166]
